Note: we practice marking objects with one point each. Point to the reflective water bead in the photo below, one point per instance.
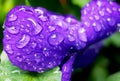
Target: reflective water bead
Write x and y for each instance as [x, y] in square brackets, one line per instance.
[23, 41]
[39, 11]
[37, 27]
[19, 59]
[13, 29]
[109, 10]
[43, 18]
[71, 38]
[33, 44]
[51, 28]
[101, 13]
[32, 20]
[96, 26]
[8, 48]
[82, 35]
[111, 21]
[55, 39]
[12, 17]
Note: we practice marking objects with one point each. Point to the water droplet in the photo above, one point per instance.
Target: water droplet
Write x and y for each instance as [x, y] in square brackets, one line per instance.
[119, 9]
[50, 65]
[99, 3]
[118, 25]
[34, 67]
[32, 21]
[7, 36]
[12, 17]
[22, 9]
[61, 24]
[91, 18]
[87, 23]
[39, 11]
[8, 48]
[37, 29]
[97, 27]
[94, 24]
[27, 50]
[97, 17]
[19, 59]
[40, 70]
[82, 35]
[71, 38]
[53, 17]
[13, 30]
[43, 18]
[55, 39]
[70, 20]
[101, 13]
[33, 44]
[51, 28]
[111, 21]
[37, 55]
[109, 10]
[84, 12]
[23, 41]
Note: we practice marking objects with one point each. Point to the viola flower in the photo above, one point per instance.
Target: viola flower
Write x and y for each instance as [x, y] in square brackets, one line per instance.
[36, 39]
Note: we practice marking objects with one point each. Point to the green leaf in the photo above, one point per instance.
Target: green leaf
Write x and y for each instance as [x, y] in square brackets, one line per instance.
[80, 3]
[8, 72]
[27, 3]
[4, 8]
[114, 39]
[99, 71]
[114, 77]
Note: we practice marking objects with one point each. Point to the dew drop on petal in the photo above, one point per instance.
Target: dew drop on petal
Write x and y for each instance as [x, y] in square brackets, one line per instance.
[23, 41]
[37, 29]
[111, 21]
[109, 10]
[97, 17]
[55, 39]
[30, 19]
[51, 28]
[82, 35]
[99, 3]
[12, 30]
[33, 44]
[43, 18]
[97, 27]
[8, 48]
[53, 17]
[19, 59]
[71, 38]
[101, 13]
[39, 11]
[12, 17]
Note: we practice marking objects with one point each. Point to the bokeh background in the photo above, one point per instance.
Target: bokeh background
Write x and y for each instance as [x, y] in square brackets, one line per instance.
[106, 66]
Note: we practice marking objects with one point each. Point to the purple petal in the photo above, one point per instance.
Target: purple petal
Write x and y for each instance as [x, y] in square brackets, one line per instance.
[67, 68]
[88, 56]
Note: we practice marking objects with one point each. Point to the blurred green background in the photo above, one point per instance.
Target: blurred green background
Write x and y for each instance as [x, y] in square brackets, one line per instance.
[106, 66]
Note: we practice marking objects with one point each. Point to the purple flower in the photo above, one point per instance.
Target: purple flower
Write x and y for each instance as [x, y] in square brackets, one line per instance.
[36, 39]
